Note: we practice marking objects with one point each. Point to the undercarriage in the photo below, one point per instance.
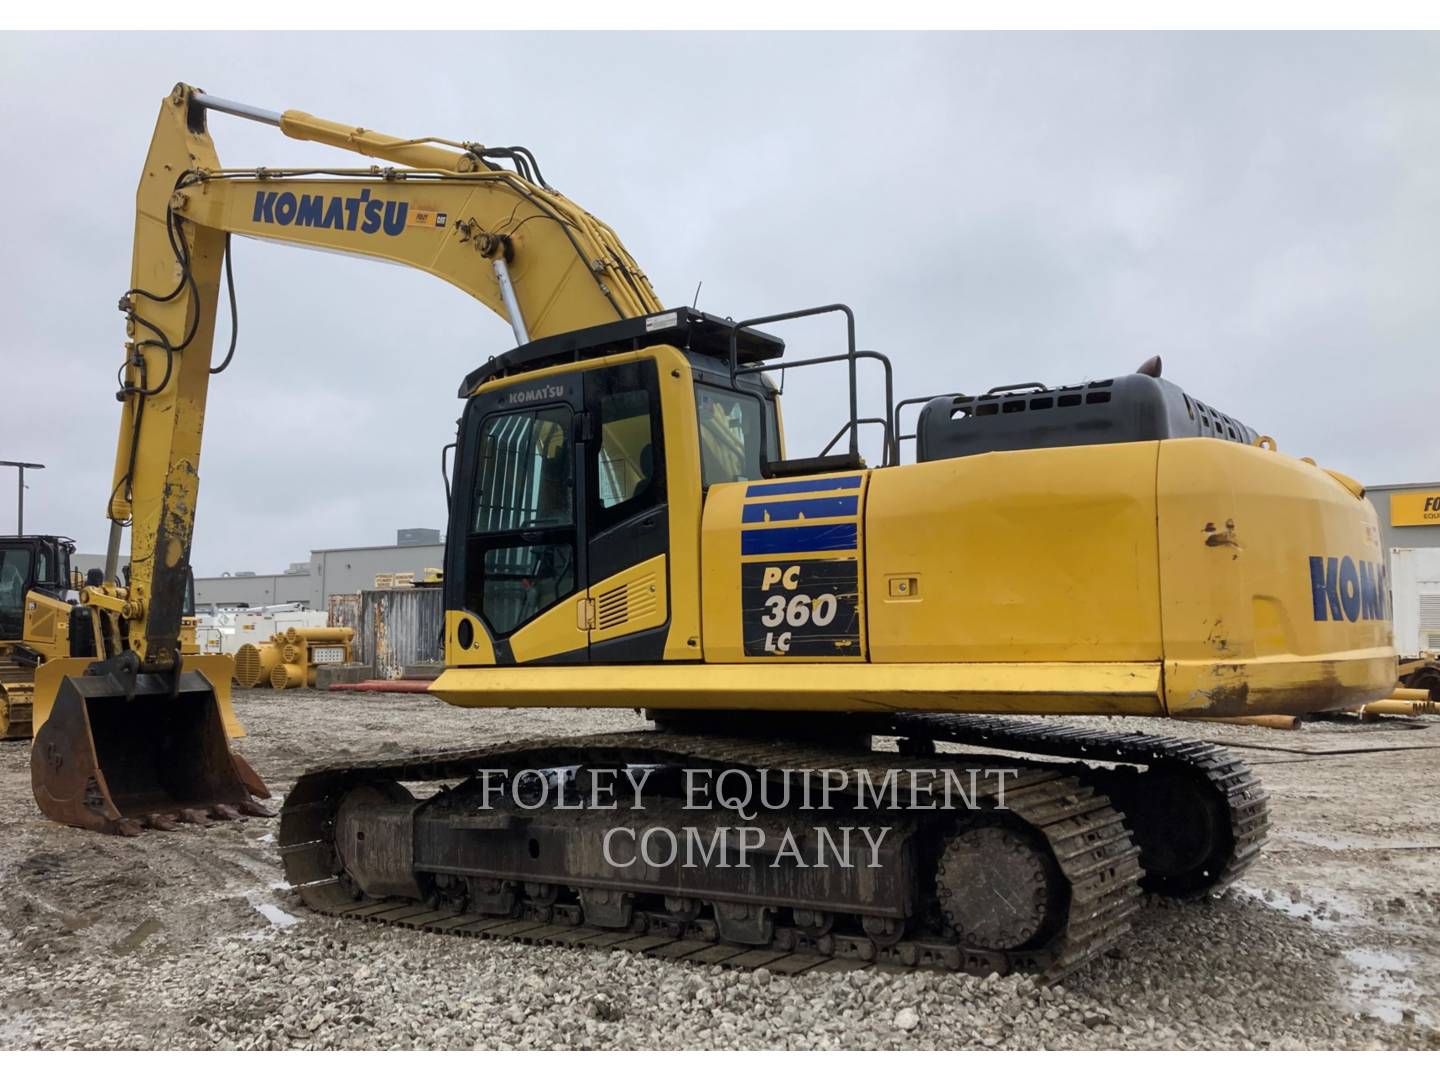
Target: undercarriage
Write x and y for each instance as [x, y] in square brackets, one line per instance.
[753, 852]
[17, 693]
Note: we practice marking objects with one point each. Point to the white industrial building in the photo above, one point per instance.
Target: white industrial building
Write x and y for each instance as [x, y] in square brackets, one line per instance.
[329, 572]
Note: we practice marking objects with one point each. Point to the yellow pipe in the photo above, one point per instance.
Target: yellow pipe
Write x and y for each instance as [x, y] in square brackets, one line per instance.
[288, 676]
[1391, 707]
[1284, 723]
[317, 634]
[253, 663]
[1404, 693]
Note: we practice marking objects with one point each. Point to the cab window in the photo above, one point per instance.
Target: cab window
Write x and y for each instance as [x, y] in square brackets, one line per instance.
[729, 435]
[625, 460]
[524, 525]
[523, 580]
[627, 453]
[14, 581]
[526, 473]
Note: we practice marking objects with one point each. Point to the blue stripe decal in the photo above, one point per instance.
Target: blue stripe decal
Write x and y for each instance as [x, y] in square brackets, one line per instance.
[800, 487]
[835, 506]
[798, 538]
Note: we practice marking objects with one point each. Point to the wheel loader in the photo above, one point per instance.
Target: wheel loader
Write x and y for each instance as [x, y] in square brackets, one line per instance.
[629, 529]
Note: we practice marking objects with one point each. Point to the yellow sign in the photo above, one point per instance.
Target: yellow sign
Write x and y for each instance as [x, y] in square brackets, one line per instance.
[1415, 508]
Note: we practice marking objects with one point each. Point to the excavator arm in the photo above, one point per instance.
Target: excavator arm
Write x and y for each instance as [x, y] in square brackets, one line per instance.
[481, 218]
[517, 246]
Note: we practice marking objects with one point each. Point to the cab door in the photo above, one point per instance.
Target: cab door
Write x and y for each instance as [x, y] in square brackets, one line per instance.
[525, 561]
[563, 504]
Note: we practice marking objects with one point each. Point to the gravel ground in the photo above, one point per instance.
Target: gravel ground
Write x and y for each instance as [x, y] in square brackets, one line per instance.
[190, 939]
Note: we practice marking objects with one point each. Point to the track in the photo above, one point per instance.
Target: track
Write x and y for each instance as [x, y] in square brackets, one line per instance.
[1069, 806]
[17, 692]
[1226, 810]
[1199, 815]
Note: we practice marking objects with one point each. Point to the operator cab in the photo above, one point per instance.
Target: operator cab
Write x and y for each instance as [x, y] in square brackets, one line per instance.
[561, 477]
[737, 406]
[40, 563]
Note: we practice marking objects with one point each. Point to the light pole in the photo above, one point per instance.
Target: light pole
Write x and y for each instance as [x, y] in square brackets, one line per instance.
[20, 467]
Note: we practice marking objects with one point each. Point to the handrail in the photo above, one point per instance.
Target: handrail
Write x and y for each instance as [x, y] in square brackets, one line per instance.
[846, 427]
[851, 356]
[445, 474]
[1011, 387]
[891, 454]
[900, 438]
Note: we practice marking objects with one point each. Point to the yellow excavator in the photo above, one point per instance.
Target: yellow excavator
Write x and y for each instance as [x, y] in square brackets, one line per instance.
[628, 529]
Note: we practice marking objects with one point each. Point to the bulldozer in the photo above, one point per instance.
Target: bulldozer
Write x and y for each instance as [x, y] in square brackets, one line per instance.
[629, 529]
[37, 621]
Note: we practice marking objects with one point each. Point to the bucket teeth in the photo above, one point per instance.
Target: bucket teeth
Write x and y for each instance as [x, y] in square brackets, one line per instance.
[224, 812]
[251, 808]
[126, 827]
[191, 816]
[163, 822]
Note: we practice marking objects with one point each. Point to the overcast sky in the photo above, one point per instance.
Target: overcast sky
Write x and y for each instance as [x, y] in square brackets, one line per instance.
[1262, 211]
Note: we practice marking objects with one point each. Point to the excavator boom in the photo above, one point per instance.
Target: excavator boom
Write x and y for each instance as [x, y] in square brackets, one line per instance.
[139, 735]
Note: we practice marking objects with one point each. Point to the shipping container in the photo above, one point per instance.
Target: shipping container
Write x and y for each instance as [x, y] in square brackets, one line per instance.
[343, 609]
[399, 628]
[1415, 588]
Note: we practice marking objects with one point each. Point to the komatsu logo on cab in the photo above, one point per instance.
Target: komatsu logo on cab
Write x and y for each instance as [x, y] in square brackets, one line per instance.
[317, 212]
[1348, 589]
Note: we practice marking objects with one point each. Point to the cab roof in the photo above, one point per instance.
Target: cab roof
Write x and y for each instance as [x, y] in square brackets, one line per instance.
[684, 328]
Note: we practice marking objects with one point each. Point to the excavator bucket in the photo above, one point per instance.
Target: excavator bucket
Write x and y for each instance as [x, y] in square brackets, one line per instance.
[118, 753]
[219, 668]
